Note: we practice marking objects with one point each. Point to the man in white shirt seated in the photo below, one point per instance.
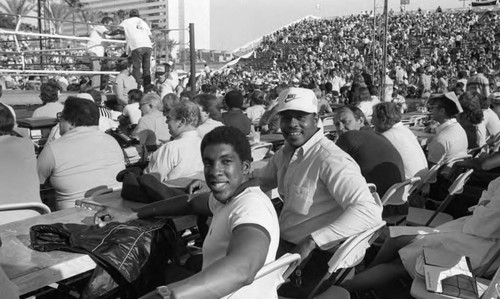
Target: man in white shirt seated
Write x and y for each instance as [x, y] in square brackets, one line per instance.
[386, 119]
[180, 157]
[450, 139]
[326, 199]
[151, 129]
[49, 94]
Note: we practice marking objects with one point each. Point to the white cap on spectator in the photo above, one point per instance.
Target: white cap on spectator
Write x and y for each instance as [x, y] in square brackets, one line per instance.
[299, 99]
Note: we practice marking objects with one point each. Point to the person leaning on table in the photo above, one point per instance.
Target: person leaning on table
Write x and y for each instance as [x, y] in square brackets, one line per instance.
[326, 199]
[83, 158]
[244, 232]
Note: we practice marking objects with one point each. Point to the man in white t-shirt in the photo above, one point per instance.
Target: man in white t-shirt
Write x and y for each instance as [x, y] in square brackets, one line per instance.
[95, 48]
[139, 40]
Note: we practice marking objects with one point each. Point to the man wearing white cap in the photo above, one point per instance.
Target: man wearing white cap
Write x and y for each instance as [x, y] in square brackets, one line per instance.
[164, 82]
[326, 199]
[451, 139]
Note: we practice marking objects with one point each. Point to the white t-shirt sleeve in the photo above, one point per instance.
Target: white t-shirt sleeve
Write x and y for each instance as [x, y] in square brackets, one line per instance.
[251, 211]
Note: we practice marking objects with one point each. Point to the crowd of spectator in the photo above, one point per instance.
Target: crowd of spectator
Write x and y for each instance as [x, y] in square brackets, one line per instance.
[312, 67]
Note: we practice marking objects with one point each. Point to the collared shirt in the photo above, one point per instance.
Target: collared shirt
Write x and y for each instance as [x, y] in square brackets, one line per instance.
[152, 129]
[178, 158]
[208, 126]
[450, 140]
[408, 147]
[323, 191]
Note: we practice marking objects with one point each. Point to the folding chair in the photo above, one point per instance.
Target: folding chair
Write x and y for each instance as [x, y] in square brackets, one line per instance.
[423, 217]
[421, 188]
[284, 266]
[260, 150]
[11, 212]
[349, 254]
[398, 194]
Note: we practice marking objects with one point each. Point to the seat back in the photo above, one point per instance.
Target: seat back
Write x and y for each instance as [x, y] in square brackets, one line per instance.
[398, 193]
[456, 188]
[17, 211]
[431, 176]
[283, 267]
[260, 150]
[352, 251]
[349, 254]
[458, 185]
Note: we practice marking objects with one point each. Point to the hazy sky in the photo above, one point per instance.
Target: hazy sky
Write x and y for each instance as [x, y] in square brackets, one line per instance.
[236, 22]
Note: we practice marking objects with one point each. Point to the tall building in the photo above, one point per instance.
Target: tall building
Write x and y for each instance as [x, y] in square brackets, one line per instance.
[166, 14]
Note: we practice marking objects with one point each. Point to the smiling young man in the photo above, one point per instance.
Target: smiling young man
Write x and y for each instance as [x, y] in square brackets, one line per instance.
[244, 232]
[326, 199]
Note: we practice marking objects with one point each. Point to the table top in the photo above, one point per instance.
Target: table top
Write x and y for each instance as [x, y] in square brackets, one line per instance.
[31, 270]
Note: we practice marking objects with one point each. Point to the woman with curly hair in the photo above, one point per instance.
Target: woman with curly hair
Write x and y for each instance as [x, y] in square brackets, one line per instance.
[471, 118]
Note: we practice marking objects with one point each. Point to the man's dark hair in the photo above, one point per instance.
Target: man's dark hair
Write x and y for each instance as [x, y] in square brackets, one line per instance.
[450, 109]
[210, 104]
[482, 70]
[49, 92]
[388, 113]
[208, 88]
[231, 136]
[471, 105]
[328, 87]
[80, 112]
[96, 95]
[187, 94]
[106, 20]
[7, 121]
[135, 95]
[122, 64]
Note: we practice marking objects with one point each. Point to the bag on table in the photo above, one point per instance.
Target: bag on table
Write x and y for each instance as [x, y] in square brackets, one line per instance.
[144, 188]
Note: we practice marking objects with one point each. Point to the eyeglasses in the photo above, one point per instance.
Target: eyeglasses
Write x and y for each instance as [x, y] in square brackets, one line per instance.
[432, 107]
[59, 116]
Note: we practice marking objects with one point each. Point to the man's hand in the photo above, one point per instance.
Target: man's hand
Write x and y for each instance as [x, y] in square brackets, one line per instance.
[108, 214]
[197, 186]
[305, 248]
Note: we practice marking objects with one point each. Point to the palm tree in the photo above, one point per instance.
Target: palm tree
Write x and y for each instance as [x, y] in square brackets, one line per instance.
[17, 7]
[58, 12]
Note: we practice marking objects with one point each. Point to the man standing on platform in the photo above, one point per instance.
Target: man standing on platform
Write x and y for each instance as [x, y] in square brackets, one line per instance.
[139, 42]
[95, 49]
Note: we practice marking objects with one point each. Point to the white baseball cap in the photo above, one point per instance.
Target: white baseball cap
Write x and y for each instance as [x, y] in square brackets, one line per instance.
[300, 99]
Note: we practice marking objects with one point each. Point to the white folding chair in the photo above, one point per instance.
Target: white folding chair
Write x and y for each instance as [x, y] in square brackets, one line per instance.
[260, 150]
[423, 217]
[398, 194]
[349, 254]
[17, 211]
[284, 266]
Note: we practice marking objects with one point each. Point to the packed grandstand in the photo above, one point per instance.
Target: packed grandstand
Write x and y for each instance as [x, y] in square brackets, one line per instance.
[442, 42]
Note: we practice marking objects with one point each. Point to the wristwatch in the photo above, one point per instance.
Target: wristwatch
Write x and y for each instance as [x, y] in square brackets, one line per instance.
[164, 292]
